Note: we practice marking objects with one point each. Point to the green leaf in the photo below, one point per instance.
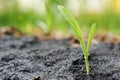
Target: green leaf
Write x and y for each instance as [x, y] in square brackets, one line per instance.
[91, 34]
[75, 26]
[67, 15]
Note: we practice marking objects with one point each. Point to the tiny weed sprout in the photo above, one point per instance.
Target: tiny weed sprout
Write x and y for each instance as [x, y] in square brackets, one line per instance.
[75, 26]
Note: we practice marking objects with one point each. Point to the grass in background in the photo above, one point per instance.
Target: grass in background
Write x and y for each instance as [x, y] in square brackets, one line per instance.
[108, 21]
[12, 16]
[26, 21]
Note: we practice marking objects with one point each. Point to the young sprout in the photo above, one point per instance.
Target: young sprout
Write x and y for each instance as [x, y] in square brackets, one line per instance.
[75, 26]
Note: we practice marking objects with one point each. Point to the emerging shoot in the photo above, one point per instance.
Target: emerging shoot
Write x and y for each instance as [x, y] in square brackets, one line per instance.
[75, 26]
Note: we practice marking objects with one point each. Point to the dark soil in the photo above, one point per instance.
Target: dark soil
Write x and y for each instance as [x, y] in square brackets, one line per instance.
[26, 58]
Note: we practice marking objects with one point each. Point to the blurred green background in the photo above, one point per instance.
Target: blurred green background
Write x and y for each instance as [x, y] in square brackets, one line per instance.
[30, 16]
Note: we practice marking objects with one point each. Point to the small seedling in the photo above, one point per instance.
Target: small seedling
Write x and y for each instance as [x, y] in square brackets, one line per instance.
[75, 26]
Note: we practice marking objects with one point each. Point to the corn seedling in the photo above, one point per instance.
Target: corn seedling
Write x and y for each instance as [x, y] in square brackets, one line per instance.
[75, 26]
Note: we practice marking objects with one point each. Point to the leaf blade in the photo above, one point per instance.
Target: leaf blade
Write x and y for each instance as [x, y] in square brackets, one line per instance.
[75, 26]
[91, 34]
[68, 16]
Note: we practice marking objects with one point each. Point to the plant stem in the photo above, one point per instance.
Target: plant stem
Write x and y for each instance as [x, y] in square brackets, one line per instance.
[87, 65]
[86, 54]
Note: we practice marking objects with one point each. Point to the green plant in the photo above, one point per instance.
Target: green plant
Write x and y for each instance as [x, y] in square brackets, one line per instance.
[75, 26]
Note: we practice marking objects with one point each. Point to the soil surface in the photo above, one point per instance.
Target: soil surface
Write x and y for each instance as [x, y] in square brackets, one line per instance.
[26, 58]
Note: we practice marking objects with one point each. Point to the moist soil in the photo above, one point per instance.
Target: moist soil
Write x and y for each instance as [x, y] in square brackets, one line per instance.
[26, 58]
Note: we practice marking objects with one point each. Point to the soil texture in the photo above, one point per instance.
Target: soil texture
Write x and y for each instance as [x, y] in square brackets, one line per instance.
[26, 58]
